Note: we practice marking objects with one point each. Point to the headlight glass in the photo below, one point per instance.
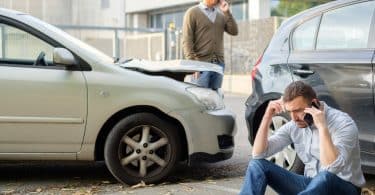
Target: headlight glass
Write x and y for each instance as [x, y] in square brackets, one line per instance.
[209, 98]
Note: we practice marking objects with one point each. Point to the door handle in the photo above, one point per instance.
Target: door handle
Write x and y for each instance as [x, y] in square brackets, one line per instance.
[303, 72]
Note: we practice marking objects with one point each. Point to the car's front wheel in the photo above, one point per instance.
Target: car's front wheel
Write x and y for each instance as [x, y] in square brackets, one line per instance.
[141, 147]
[287, 158]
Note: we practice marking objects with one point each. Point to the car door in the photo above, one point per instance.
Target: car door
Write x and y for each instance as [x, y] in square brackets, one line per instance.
[335, 57]
[43, 106]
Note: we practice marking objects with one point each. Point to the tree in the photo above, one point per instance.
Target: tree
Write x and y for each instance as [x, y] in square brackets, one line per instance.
[291, 7]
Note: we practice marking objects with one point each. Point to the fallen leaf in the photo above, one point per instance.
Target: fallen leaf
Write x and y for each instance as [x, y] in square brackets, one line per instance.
[7, 192]
[189, 189]
[141, 185]
[67, 189]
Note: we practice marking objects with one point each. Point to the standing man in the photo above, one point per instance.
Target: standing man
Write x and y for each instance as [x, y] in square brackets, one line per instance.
[203, 32]
[328, 146]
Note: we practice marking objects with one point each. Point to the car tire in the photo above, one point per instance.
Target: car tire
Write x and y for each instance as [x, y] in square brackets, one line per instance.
[141, 147]
[287, 158]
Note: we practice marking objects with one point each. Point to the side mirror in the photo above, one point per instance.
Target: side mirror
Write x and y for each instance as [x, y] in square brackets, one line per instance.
[62, 56]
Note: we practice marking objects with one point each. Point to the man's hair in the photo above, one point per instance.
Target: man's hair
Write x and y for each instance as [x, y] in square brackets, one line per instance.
[298, 88]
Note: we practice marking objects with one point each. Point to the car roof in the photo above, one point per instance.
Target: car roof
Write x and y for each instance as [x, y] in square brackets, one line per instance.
[9, 12]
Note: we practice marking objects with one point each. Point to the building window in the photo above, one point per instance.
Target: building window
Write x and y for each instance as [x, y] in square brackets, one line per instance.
[104, 4]
[164, 20]
[156, 21]
[239, 10]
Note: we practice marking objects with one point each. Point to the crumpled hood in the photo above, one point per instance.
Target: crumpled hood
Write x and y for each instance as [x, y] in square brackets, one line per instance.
[177, 66]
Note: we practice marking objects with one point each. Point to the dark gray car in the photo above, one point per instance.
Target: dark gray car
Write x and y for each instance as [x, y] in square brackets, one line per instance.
[331, 47]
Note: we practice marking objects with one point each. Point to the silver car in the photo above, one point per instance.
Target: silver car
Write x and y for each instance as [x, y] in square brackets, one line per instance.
[64, 100]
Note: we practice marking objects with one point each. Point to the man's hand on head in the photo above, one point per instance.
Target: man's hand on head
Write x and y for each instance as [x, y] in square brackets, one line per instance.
[275, 107]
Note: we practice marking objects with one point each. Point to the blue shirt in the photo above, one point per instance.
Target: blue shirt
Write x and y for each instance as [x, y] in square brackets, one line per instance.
[209, 12]
[344, 135]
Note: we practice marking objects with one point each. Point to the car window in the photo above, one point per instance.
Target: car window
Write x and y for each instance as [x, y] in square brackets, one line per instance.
[347, 27]
[18, 45]
[304, 35]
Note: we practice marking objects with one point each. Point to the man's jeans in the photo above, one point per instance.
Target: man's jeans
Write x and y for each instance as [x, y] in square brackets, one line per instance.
[211, 80]
[261, 173]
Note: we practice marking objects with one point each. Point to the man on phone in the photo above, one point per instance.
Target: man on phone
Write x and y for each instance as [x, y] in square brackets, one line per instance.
[203, 30]
[328, 146]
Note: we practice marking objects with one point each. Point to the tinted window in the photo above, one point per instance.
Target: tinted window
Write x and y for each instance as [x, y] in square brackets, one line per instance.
[20, 45]
[304, 35]
[347, 27]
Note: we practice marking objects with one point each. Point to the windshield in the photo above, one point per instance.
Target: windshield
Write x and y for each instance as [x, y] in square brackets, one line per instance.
[88, 48]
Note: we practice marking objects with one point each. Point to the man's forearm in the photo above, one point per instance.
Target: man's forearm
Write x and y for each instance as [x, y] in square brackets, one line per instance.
[261, 138]
[328, 151]
[230, 24]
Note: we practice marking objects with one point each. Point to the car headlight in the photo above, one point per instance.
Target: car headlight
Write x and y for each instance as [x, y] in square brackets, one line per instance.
[209, 98]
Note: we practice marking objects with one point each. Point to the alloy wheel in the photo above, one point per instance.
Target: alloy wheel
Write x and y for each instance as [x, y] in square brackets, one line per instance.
[144, 151]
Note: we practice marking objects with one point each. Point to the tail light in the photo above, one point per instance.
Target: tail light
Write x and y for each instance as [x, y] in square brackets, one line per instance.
[255, 68]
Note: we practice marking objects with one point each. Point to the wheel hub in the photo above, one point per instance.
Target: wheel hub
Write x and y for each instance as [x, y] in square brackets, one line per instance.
[145, 147]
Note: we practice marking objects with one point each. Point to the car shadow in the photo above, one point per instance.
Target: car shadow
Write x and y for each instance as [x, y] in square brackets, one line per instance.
[96, 173]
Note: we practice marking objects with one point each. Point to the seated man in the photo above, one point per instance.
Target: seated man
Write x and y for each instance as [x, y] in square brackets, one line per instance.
[328, 146]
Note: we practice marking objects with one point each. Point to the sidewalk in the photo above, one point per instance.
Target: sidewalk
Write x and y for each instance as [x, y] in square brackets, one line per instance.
[237, 84]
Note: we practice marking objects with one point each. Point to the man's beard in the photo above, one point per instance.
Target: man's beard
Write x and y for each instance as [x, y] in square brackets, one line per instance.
[301, 123]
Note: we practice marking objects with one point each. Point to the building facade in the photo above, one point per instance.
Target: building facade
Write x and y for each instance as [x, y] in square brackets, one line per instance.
[163, 13]
[72, 12]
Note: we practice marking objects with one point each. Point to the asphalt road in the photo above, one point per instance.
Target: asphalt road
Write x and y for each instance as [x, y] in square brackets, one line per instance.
[93, 178]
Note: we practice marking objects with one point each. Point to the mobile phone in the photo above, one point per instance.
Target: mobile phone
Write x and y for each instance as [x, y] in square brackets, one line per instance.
[308, 118]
